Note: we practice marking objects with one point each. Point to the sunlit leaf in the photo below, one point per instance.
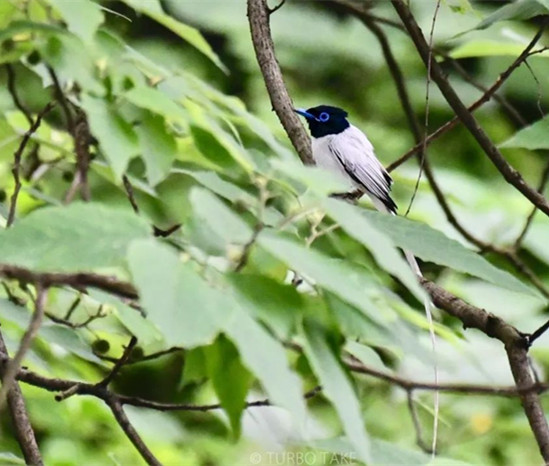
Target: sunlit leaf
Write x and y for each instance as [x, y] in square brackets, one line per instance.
[266, 358]
[153, 9]
[378, 243]
[158, 147]
[231, 380]
[83, 17]
[519, 10]
[533, 137]
[432, 246]
[188, 311]
[337, 387]
[78, 237]
[116, 136]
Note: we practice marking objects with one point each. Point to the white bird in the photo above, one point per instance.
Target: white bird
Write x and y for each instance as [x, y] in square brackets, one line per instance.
[342, 148]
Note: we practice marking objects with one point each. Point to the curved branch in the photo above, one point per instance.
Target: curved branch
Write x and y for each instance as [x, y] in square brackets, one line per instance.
[511, 175]
[77, 280]
[20, 418]
[258, 16]
[131, 433]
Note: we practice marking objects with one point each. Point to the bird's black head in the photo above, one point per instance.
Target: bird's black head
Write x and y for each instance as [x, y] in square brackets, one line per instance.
[324, 120]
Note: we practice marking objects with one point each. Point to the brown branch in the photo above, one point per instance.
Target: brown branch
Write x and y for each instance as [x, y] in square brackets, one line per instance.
[120, 362]
[20, 417]
[17, 162]
[130, 193]
[520, 367]
[63, 102]
[147, 357]
[258, 16]
[516, 347]
[63, 321]
[506, 105]
[417, 425]
[12, 368]
[82, 137]
[438, 75]
[541, 188]
[77, 280]
[131, 433]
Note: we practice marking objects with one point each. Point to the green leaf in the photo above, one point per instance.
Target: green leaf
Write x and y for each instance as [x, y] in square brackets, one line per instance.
[155, 101]
[9, 458]
[278, 305]
[188, 311]
[378, 243]
[194, 367]
[143, 329]
[533, 137]
[83, 17]
[212, 211]
[266, 358]
[78, 237]
[433, 246]
[68, 56]
[153, 9]
[69, 340]
[337, 387]
[116, 136]
[334, 275]
[219, 186]
[230, 379]
[158, 147]
[520, 10]
[488, 48]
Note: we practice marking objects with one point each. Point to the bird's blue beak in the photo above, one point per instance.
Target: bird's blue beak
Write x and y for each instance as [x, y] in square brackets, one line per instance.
[304, 113]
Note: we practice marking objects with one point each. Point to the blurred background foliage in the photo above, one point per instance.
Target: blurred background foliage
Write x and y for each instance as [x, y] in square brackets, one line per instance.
[186, 116]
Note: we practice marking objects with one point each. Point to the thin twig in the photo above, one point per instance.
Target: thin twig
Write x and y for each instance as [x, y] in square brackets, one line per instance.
[120, 362]
[76, 280]
[541, 188]
[17, 162]
[538, 86]
[63, 321]
[278, 7]
[81, 137]
[131, 433]
[417, 425]
[511, 111]
[20, 418]
[13, 367]
[130, 193]
[423, 152]
[63, 102]
[473, 107]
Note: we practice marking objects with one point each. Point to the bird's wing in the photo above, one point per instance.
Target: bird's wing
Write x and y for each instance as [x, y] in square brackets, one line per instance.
[356, 155]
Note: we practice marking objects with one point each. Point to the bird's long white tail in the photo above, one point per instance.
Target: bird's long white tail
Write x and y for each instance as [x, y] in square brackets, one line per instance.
[410, 258]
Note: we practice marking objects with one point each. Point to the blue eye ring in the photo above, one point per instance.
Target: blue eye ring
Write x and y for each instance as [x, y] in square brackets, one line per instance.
[324, 117]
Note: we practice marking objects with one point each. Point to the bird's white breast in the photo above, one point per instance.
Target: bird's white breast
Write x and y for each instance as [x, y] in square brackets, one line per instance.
[324, 156]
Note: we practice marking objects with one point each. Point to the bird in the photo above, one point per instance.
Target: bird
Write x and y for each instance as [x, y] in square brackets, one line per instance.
[342, 148]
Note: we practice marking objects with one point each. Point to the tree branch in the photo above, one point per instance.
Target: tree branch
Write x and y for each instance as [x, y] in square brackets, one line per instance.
[464, 113]
[20, 417]
[258, 16]
[516, 346]
[12, 368]
[17, 162]
[131, 433]
[77, 280]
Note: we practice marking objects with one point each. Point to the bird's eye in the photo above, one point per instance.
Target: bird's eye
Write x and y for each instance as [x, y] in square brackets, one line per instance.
[324, 117]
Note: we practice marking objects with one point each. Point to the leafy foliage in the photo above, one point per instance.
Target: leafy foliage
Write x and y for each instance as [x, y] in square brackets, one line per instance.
[179, 122]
